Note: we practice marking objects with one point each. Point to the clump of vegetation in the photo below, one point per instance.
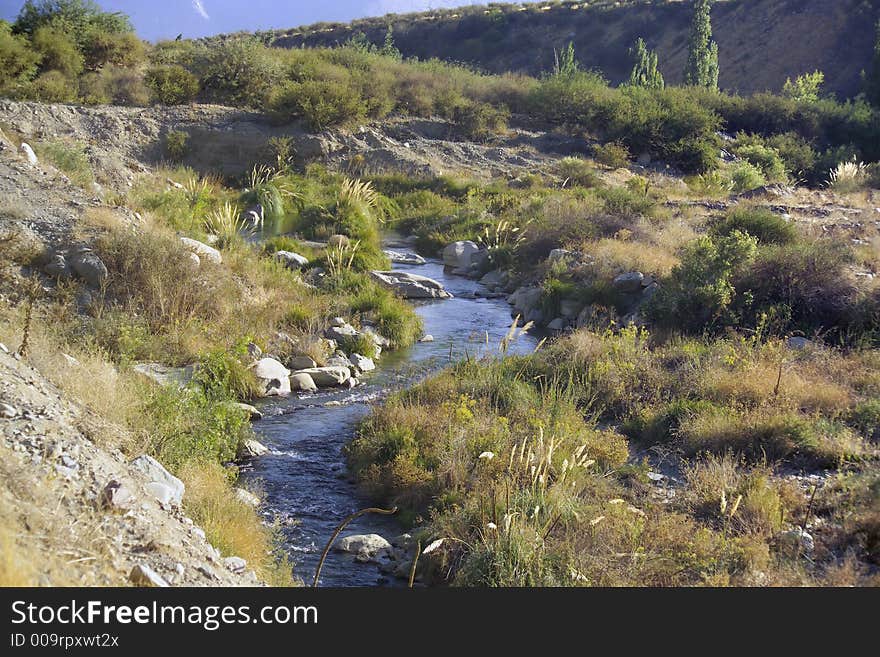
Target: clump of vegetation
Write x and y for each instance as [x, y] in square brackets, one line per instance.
[176, 142]
[70, 158]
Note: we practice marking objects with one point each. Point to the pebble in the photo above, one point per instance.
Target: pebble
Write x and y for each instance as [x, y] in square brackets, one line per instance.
[7, 411]
[235, 564]
[116, 495]
[4, 348]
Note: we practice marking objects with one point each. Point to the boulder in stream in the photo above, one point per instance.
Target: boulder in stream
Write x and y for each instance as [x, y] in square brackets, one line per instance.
[327, 377]
[411, 286]
[404, 258]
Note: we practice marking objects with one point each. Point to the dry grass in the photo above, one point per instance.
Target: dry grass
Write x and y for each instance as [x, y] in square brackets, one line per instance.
[231, 525]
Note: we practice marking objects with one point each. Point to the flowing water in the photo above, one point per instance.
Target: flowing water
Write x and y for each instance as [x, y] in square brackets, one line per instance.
[304, 478]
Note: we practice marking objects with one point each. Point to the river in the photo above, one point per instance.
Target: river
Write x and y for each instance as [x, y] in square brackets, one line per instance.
[304, 478]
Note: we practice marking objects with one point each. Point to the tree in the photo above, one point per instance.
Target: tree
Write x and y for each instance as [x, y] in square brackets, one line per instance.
[18, 63]
[59, 52]
[872, 79]
[805, 88]
[702, 63]
[645, 72]
[76, 18]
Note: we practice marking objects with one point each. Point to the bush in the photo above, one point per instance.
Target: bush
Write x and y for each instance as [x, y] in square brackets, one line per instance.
[58, 52]
[18, 62]
[745, 176]
[123, 49]
[176, 142]
[171, 85]
[480, 121]
[762, 223]
[321, 104]
[700, 290]
[614, 155]
[116, 85]
[239, 71]
[577, 172]
[70, 158]
[767, 159]
[53, 87]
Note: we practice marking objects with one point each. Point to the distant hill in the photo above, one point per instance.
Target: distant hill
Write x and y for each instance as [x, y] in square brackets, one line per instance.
[761, 41]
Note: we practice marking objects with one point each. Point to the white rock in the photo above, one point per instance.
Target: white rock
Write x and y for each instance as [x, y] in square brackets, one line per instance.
[325, 377]
[302, 382]
[155, 472]
[160, 492]
[116, 496]
[202, 250]
[4, 348]
[404, 258]
[274, 377]
[291, 260]
[252, 448]
[363, 363]
[427, 338]
[143, 575]
[29, 153]
[236, 564]
[247, 497]
[366, 546]
[458, 255]
[629, 282]
[411, 286]
[7, 411]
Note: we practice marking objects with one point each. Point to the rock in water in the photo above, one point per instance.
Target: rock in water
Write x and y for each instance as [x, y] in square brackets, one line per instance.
[366, 547]
[273, 376]
[458, 255]
[326, 377]
[155, 472]
[403, 258]
[411, 286]
[252, 448]
[363, 363]
[202, 250]
[302, 382]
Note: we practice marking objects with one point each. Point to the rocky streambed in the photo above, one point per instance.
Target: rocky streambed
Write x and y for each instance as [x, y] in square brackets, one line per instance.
[303, 476]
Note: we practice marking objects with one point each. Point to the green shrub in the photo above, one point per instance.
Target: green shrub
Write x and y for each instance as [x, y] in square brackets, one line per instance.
[70, 158]
[18, 62]
[53, 87]
[320, 103]
[239, 71]
[762, 223]
[577, 172]
[480, 121]
[614, 155]
[176, 142]
[745, 176]
[172, 85]
[223, 376]
[700, 290]
[767, 159]
[116, 85]
[394, 318]
[58, 51]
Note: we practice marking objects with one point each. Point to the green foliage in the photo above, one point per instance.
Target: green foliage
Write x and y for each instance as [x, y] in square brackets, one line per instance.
[577, 172]
[480, 121]
[613, 154]
[172, 84]
[872, 78]
[745, 176]
[761, 223]
[701, 289]
[58, 51]
[239, 71]
[394, 318]
[702, 63]
[566, 64]
[222, 375]
[645, 72]
[189, 425]
[320, 103]
[176, 142]
[114, 84]
[70, 158]
[53, 87]
[805, 88]
[766, 158]
[79, 19]
[18, 62]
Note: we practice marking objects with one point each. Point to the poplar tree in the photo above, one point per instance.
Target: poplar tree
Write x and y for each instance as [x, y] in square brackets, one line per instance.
[872, 78]
[645, 72]
[702, 63]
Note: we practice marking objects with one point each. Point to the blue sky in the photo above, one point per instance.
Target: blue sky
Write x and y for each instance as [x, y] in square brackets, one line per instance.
[165, 19]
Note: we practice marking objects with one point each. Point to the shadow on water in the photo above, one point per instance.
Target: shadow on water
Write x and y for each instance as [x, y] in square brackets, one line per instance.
[304, 477]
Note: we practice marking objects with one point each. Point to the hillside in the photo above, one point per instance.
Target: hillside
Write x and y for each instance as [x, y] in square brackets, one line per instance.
[793, 37]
